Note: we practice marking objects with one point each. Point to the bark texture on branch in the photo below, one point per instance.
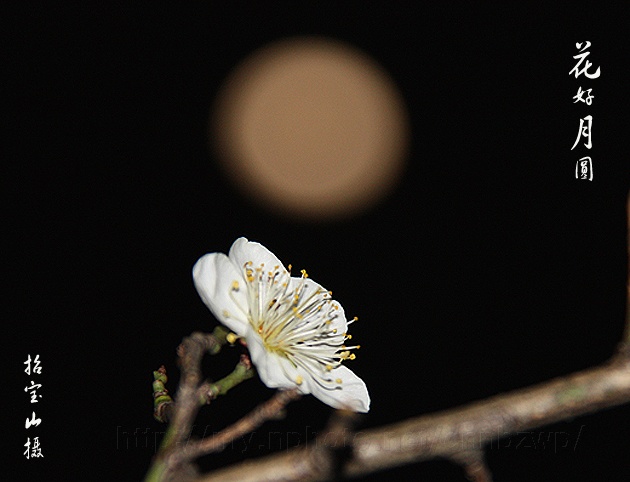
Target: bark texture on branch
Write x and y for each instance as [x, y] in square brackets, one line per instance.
[455, 433]
[459, 434]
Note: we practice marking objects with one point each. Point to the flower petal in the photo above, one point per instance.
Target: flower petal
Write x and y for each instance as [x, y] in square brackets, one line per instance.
[350, 394]
[214, 275]
[275, 371]
[244, 251]
[299, 332]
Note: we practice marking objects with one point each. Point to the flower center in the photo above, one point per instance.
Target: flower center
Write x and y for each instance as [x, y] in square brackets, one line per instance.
[296, 319]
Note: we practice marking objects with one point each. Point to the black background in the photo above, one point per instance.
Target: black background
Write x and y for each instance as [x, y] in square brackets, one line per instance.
[488, 268]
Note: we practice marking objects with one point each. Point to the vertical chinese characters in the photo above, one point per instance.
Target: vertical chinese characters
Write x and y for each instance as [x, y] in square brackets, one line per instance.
[584, 166]
[33, 368]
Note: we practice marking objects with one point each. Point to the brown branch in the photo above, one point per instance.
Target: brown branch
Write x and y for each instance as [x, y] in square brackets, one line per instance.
[458, 434]
[182, 412]
[324, 461]
[453, 433]
[269, 410]
[474, 465]
[333, 447]
[177, 451]
[190, 353]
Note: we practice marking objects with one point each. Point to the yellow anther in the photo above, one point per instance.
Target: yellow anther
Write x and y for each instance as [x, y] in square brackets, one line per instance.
[289, 268]
[299, 380]
[352, 356]
[226, 313]
[339, 380]
[328, 322]
[260, 329]
[235, 285]
[335, 330]
[304, 273]
[348, 337]
[329, 367]
[231, 338]
[356, 318]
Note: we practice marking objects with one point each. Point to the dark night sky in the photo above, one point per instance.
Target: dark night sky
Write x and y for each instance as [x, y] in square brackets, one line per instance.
[489, 267]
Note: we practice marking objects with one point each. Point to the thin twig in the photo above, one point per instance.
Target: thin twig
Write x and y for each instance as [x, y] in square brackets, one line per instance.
[269, 410]
[333, 448]
[182, 413]
[208, 391]
[445, 434]
[474, 465]
[459, 434]
[190, 353]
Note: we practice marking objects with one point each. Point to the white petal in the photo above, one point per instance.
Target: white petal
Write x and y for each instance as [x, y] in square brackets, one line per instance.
[243, 251]
[214, 275]
[274, 371]
[260, 358]
[350, 394]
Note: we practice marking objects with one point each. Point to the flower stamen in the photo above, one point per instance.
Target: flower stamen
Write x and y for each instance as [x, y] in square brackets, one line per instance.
[292, 325]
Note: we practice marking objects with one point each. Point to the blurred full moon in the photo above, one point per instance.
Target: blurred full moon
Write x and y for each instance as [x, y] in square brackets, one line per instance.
[312, 128]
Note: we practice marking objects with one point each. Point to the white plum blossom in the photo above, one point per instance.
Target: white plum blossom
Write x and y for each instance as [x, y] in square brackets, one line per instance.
[294, 330]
